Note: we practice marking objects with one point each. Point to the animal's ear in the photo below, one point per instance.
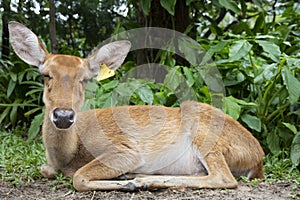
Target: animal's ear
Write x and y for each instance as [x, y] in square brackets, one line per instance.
[112, 55]
[26, 44]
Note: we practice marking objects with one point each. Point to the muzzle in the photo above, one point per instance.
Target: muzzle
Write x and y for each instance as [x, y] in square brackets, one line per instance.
[63, 118]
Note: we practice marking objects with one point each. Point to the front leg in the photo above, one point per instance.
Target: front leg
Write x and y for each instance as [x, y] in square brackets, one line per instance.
[95, 176]
[48, 171]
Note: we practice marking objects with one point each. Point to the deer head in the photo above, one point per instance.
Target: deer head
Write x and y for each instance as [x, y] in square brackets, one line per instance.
[65, 76]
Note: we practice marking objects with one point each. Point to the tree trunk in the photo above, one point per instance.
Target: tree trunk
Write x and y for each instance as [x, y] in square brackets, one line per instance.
[182, 19]
[52, 27]
[160, 17]
[5, 33]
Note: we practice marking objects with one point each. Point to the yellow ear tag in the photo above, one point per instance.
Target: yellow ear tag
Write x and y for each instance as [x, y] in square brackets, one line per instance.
[105, 73]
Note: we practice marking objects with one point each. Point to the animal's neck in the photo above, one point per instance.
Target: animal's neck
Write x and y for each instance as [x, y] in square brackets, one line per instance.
[59, 141]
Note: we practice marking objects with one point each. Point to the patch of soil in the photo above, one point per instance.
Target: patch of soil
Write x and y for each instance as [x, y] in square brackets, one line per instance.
[43, 190]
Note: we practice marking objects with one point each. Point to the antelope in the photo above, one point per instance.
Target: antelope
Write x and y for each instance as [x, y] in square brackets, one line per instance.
[132, 147]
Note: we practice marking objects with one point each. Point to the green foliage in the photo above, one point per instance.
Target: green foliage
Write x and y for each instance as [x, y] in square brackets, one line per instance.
[278, 167]
[295, 149]
[145, 5]
[169, 5]
[230, 5]
[20, 160]
[35, 125]
[181, 83]
[256, 71]
[238, 50]
[20, 92]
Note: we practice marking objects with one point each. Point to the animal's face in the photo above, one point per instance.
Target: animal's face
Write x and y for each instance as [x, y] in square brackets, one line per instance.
[65, 79]
[65, 76]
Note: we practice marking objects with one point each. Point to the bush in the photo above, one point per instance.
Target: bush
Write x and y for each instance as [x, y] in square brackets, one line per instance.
[20, 93]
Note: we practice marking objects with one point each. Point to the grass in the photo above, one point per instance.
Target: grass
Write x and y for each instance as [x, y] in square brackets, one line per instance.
[19, 159]
[278, 167]
[20, 162]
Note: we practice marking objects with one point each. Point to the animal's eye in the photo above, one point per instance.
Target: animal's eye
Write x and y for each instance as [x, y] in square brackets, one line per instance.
[84, 80]
[48, 76]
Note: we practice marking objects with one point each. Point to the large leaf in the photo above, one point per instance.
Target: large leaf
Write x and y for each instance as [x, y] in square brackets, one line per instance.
[160, 98]
[35, 126]
[293, 62]
[291, 127]
[232, 108]
[33, 91]
[273, 142]
[295, 150]
[107, 100]
[5, 113]
[259, 23]
[11, 87]
[234, 77]
[13, 113]
[32, 111]
[173, 79]
[124, 89]
[169, 5]
[110, 85]
[292, 84]
[13, 76]
[252, 121]
[270, 48]
[145, 5]
[241, 102]
[189, 76]
[190, 49]
[230, 5]
[146, 95]
[239, 49]
[220, 46]
[265, 73]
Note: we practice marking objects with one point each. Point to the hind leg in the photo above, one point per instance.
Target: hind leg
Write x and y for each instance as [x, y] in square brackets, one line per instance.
[257, 171]
[91, 176]
[219, 176]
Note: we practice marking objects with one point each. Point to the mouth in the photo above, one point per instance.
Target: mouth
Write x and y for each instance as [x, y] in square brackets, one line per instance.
[63, 123]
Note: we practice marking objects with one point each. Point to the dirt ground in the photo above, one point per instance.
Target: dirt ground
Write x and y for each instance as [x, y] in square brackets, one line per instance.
[43, 190]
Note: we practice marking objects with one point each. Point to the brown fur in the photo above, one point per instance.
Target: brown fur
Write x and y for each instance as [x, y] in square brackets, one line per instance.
[195, 146]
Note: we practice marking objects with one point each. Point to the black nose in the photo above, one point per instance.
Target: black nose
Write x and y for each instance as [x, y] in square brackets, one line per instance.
[63, 118]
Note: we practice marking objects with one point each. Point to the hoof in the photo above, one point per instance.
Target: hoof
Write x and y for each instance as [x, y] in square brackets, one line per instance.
[129, 187]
